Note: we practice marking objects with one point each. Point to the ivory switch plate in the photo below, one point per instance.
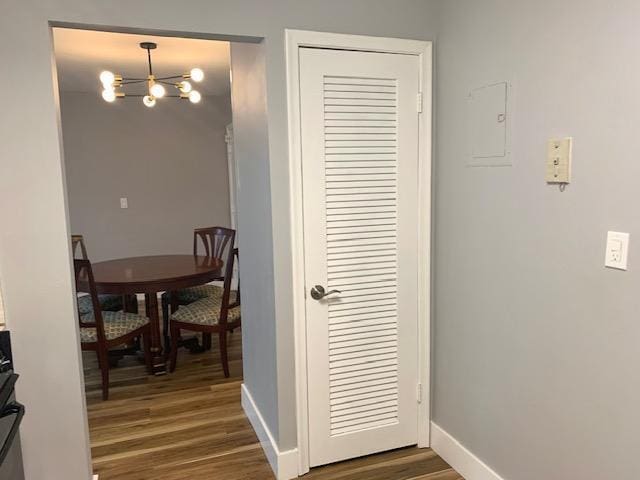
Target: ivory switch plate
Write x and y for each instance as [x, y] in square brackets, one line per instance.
[559, 160]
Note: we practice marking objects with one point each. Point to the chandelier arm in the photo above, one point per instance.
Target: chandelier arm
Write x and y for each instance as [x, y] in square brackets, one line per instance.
[132, 81]
[170, 78]
[136, 95]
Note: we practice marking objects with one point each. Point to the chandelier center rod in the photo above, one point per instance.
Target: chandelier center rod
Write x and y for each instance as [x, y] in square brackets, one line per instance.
[148, 46]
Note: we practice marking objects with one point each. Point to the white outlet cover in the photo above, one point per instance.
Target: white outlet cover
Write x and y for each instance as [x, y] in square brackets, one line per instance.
[617, 251]
[124, 202]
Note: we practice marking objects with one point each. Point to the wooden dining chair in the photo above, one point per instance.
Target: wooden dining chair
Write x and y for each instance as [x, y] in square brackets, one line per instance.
[215, 241]
[219, 313]
[102, 330]
[107, 302]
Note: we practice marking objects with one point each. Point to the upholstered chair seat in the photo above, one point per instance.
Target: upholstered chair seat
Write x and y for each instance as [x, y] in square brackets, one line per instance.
[116, 325]
[191, 294]
[107, 302]
[206, 311]
[111, 302]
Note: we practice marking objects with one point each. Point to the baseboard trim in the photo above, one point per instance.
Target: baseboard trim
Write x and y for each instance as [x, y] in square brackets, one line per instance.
[459, 457]
[284, 464]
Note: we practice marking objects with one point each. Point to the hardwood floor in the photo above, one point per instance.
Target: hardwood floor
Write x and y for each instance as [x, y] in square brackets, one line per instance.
[190, 425]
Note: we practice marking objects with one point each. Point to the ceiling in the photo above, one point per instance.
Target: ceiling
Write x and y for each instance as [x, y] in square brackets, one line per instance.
[82, 54]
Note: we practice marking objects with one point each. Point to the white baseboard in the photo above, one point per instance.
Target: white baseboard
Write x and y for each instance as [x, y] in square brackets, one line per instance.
[284, 464]
[459, 457]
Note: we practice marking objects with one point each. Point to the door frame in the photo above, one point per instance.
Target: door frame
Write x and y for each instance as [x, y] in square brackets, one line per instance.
[294, 40]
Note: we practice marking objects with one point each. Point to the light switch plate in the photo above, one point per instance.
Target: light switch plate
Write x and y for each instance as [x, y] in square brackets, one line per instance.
[124, 202]
[558, 168]
[617, 250]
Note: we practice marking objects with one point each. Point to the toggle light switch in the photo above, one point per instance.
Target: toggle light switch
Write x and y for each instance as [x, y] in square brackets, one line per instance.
[559, 161]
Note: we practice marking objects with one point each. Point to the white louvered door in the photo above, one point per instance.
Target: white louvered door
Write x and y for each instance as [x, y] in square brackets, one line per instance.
[359, 130]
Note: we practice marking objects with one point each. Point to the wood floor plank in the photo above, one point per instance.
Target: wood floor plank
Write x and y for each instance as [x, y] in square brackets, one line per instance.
[190, 425]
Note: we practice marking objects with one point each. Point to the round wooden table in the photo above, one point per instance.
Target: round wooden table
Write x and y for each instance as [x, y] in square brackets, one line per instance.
[150, 275]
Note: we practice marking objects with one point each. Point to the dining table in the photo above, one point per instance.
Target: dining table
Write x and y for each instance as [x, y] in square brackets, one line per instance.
[150, 275]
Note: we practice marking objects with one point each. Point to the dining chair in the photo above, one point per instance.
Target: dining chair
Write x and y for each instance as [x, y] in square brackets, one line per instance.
[107, 302]
[218, 313]
[102, 330]
[215, 241]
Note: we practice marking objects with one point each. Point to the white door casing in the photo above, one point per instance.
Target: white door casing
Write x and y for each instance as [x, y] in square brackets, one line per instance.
[360, 173]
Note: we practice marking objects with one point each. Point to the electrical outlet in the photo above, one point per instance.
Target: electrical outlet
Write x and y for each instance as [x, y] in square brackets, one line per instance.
[559, 161]
[617, 250]
[124, 202]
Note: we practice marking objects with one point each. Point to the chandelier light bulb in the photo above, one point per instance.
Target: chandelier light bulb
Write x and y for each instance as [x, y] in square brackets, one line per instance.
[194, 96]
[185, 87]
[196, 75]
[157, 90]
[107, 78]
[108, 94]
[148, 101]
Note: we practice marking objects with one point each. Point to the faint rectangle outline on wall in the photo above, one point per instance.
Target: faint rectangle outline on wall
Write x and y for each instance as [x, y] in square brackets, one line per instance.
[489, 125]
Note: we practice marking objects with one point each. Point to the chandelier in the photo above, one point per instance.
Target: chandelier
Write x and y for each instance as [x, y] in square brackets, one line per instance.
[113, 84]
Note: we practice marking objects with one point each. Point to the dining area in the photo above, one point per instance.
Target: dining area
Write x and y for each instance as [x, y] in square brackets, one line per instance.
[150, 307]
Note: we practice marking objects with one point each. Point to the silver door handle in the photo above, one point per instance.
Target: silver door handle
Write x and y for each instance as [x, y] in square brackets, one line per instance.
[318, 292]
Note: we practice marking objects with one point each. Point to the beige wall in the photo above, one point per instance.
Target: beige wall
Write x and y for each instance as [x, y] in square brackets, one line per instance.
[169, 161]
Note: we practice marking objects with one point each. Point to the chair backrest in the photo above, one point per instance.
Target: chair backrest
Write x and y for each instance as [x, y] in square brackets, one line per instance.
[226, 305]
[216, 241]
[78, 241]
[86, 284]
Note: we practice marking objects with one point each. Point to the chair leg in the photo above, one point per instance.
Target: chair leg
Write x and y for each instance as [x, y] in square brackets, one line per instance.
[206, 341]
[133, 303]
[223, 353]
[165, 324]
[175, 336]
[103, 361]
[148, 358]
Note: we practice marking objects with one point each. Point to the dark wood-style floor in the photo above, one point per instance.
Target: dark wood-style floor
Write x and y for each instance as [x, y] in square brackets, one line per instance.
[190, 425]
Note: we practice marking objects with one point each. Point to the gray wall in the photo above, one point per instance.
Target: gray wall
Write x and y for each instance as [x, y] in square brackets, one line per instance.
[33, 203]
[536, 343]
[170, 161]
[251, 153]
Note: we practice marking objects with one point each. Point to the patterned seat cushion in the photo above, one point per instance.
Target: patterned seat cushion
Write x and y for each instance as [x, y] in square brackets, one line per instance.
[206, 311]
[85, 305]
[191, 294]
[110, 302]
[107, 302]
[116, 324]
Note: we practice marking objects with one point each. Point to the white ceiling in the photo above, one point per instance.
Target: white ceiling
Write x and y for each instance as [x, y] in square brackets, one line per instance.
[82, 54]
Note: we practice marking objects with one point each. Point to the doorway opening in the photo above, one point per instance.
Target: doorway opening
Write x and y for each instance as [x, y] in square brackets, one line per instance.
[151, 185]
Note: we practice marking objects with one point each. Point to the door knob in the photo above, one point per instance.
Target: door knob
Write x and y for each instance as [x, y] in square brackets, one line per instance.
[318, 292]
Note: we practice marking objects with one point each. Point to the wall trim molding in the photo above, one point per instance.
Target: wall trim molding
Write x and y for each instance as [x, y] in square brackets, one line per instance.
[284, 464]
[459, 457]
